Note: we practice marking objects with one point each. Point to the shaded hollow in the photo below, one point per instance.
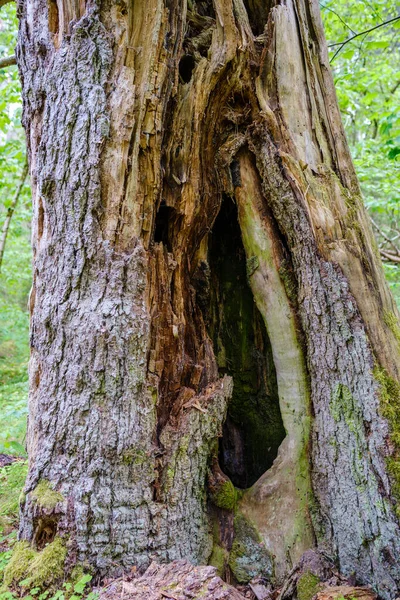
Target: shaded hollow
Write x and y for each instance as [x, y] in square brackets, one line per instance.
[253, 430]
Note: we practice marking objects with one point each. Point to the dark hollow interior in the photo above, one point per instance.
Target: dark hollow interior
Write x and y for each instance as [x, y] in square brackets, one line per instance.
[253, 430]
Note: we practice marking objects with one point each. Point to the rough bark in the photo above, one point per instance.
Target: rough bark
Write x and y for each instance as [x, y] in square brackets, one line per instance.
[142, 119]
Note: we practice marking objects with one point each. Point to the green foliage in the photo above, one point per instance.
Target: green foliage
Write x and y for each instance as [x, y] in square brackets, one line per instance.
[15, 276]
[367, 79]
[12, 479]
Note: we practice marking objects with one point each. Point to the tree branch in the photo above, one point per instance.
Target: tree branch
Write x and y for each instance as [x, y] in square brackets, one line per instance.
[10, 212]
[8, 61]
[385, 237]
[3, 2]
[389, 256]
[344, 42]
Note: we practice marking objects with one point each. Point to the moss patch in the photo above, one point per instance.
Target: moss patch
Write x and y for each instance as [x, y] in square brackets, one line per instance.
[38, 569]
[307, 586]
[225, 496]
[219, 559]
[390, 409]
[45, 496]
[392, 322]
[18, 566]
[248, 558]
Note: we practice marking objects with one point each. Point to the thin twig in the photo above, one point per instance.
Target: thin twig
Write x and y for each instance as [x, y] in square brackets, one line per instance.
[8, 61]
[10, 212]
[385, 237]
[344, 42]
[325, 7]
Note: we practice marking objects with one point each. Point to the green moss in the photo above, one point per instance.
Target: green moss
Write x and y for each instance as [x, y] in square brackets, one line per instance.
[225, 496]
[48, 565]
[389, 393]
[248, 557]
[45, 496]
[38, 569]
[252, 265]
[307, 586]
[392, 322]
[390, 402]
[18, 566]
[134, 456]
[219, 559]
[12, 479]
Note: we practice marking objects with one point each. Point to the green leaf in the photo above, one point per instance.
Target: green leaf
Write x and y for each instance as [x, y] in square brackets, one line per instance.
[394, 152]
[81, 584]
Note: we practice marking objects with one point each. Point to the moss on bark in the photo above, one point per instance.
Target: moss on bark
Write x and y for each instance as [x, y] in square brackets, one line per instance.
[389, 393]
[42, 569]
[248, 557]
[45, 496]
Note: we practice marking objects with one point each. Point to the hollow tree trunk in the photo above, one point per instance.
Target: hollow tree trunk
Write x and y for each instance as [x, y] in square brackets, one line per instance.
[203, 267]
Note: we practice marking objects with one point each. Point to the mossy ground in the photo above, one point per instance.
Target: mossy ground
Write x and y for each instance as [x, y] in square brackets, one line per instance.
[307, 586]
[43, 570]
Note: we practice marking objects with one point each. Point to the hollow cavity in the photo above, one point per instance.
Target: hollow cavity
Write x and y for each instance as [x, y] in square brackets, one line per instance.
[253, 430]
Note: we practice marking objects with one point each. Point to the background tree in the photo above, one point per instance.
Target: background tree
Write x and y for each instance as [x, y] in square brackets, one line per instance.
[296, 162]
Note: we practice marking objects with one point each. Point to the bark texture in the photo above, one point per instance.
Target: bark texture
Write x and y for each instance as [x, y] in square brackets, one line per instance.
[142, 119]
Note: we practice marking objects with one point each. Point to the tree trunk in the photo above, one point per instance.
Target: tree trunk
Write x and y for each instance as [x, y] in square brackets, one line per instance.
[208, 309]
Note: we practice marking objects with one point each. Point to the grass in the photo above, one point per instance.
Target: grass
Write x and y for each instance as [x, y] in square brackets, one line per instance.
[12, 479]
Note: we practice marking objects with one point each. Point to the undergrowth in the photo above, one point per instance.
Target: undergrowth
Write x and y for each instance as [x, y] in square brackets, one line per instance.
[25, 572]
[12, 479]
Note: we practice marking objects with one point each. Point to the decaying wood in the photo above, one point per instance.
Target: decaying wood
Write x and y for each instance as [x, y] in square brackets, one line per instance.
[178, 580]
[142, 120]
[347, 592]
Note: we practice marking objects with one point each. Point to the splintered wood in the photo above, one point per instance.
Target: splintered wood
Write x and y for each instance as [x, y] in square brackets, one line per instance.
[178, 580]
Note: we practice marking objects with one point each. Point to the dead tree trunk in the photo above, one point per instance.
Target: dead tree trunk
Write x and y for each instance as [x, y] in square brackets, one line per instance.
[208, 308]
